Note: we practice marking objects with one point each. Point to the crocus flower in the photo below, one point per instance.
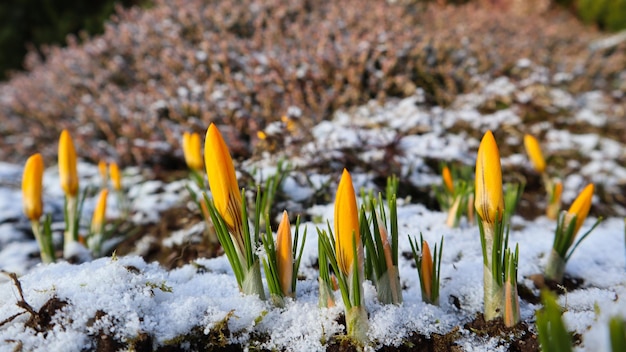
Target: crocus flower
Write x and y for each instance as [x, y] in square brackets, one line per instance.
[223, 183]
[192, 151]
[347, 225]
[32, 187]
[116, 179]
[489, 199]
[97, 221]
[284, 255]
[447, 179]
[534, 153]
[580, 208]
[67, 165]
[102, 169]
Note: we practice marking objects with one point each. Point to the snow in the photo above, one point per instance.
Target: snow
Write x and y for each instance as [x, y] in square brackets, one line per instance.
[125, 296]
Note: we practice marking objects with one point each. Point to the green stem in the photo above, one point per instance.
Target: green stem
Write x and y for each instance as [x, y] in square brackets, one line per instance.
[252, 283]
[493, 295]
[71, 221]
[357, 324]
[556, 267]
[46, 247]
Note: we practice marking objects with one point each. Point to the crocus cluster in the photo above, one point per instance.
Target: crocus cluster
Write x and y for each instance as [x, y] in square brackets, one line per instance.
[32, 194]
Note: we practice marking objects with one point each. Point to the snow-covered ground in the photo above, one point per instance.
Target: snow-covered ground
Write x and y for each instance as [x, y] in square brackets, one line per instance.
[125, 297]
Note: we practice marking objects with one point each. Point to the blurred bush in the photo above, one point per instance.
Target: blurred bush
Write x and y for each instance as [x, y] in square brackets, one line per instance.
[607, 14]
[38, 22]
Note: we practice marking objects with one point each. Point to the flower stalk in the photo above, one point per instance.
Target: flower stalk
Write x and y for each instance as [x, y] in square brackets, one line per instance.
[345, 255]
[493, 221]
[568, 225]
[32, 185]
[69, 182]
[428, 269]
[229, 215]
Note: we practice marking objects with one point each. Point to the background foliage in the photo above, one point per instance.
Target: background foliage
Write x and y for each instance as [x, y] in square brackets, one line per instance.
[37, 22]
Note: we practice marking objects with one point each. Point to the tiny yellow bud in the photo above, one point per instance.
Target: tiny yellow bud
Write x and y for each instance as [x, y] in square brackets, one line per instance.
[580, 207]
[116, 178]
[102, 169]
[447, 179]
[489, 200]
[32, 187]
[534, 153]
[261, 135]
[427, 270]
[192, 151]
[347, 225]
[67, 165]
[284, 255]
[97, 221]
[223, 182]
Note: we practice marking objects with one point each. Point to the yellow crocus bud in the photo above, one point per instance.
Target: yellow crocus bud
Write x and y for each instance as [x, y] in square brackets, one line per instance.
[489, 200]
[284, 255]
[427, 270]
[580, 208]
[223, 183]
[32, 187]
[192, 151]
[534, 153]
[116, 178]
[261, 135]
[67, 165]
[102, 169]
[347, 226]
[447, 179]
[97, 221]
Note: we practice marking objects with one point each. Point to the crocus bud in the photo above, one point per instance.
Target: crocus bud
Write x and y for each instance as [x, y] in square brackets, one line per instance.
[67, 165]
[102, 170]
[97, 221]
[580, 208]
[116, 178]
[489, 199]
[223, 183]
[347, 225]
[192, 151]
[32, 187]
[447, 179]
[284, 255]
[427, 271]
[534, 153]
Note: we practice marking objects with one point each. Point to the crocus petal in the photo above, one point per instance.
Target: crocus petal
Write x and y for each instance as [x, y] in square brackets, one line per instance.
[97, 221]
[580, 207]
[67, 165]
[32, 187]
[534, 153]
[223, 182]
[116, 178]
[489, 200]
[284, 254]
[346, 224]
